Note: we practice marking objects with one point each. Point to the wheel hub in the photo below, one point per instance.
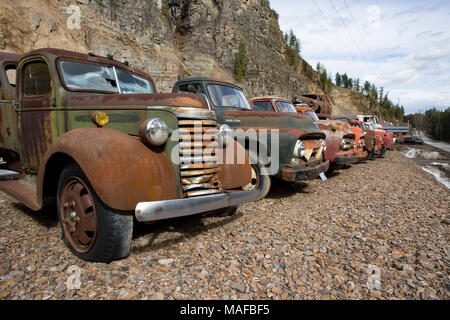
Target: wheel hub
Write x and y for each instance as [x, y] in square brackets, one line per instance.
[79, 216]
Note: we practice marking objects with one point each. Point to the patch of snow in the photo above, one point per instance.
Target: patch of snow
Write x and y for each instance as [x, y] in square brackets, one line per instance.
[417, 153]
[438, 174]
[438, 164]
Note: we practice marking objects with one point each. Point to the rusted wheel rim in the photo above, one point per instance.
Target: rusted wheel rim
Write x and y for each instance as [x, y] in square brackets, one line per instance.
[79, 216]
[255, 180]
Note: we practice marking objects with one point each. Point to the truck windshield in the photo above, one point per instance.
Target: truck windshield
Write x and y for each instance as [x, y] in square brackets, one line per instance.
[226, 96]
[89, 77]
[312, 115]
[285, 107]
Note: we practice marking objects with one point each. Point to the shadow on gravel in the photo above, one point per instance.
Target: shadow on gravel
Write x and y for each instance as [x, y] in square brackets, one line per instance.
[281, 189]
[46, 217]
[332, 173]
[189, 227]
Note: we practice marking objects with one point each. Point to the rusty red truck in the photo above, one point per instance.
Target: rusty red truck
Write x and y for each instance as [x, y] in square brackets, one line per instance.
[94, 134]
[374, 142]
[318, 102]
[375, 124]
[341, 141]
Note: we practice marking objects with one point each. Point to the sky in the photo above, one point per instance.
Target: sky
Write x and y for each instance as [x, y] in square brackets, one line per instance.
[402, 46]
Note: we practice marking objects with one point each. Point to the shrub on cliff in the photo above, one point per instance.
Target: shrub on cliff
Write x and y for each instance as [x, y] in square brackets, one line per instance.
[240, 67]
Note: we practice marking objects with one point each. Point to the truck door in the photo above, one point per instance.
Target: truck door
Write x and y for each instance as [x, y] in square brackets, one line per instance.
[35, 124]
[8, 98]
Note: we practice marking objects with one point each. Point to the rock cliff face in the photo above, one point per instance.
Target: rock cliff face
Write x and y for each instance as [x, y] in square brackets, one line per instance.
[170, 39]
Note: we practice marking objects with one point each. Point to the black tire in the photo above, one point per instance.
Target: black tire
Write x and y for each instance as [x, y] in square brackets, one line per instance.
[225, 212]
[264, 180]
[114, 231]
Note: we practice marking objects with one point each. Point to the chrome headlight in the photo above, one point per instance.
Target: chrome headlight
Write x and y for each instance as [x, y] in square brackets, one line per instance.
[225, 134]
[324, 144]
[157, 132]
[348, 144]
[300, 149]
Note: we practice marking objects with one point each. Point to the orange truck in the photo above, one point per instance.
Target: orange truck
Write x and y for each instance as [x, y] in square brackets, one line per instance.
[340, 144]
[339, 134]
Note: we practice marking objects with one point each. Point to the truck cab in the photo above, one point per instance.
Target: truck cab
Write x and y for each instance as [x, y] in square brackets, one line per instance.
[296, 156]
[93, 133]
[317, 102]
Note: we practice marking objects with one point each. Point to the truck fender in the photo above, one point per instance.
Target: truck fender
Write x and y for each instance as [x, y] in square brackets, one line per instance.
[235, 175]
[120, 168]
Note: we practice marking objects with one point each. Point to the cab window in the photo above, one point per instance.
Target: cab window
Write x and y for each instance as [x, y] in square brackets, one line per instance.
[263, 106]
[285, 107]
[191, 88]
[36, 80]
[11, 74]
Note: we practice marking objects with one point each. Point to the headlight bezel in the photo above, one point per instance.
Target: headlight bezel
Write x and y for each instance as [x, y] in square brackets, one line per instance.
[346, 142]
[156, 132]
[225, 134]
[300, 149]
[324, 144]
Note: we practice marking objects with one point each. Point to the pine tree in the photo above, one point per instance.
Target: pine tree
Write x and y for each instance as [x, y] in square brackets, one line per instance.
[292, 49]
[338, 79]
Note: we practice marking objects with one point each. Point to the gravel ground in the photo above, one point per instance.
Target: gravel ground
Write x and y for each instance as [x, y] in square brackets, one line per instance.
[378, 230]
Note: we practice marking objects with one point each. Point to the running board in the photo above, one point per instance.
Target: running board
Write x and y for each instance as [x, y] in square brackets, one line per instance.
[22, 192]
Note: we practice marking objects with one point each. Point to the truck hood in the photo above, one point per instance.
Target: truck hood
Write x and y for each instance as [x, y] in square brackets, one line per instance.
[268, 120]
[133, 101]
[335, 125]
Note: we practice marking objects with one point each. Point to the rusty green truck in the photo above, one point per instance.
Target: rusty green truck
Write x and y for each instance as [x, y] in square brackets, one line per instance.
[93, 134]
[301, 145]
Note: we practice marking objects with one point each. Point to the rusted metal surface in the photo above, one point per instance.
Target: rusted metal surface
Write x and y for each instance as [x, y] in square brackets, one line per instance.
[290, 127]
[7, 98]
[308, 173]
[121, 169]
[238, 174]
[199, 168]
[319, 103]
[388, 138]
[313, 141]
[22, 191]
[124, 170]
[78, 215]
[359, 149]
[336, 132]
[373, 142]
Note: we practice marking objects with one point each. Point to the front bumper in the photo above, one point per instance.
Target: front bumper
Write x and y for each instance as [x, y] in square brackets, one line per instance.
[309, 173]
[345, 158]
[362, 155]
[161, 210]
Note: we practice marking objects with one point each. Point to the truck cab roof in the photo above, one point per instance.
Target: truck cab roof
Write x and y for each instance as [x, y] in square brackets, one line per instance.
[206, 79]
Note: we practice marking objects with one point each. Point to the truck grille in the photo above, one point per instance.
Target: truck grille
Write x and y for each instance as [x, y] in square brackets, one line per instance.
[370, 144]
[314, 149]
[198, 162]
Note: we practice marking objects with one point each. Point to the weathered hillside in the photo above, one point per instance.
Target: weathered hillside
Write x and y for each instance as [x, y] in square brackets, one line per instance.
[347, 102]
[170, 39]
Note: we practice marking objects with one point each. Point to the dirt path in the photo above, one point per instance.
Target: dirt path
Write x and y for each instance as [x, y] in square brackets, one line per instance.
[375, 230]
